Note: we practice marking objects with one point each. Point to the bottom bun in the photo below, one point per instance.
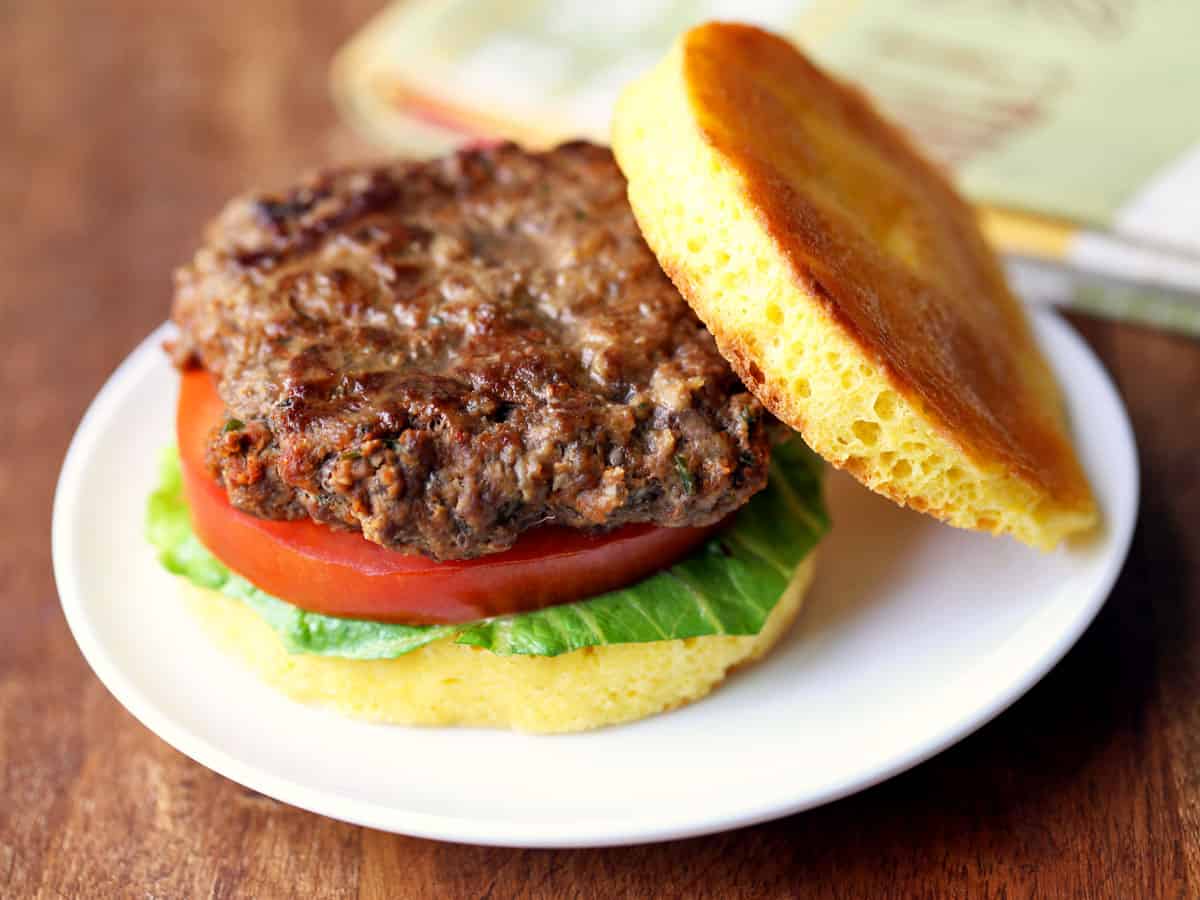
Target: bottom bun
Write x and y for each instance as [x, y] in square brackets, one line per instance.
[445, 683]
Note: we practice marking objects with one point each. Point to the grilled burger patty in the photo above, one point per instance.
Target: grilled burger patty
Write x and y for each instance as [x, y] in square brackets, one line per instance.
[445, 354]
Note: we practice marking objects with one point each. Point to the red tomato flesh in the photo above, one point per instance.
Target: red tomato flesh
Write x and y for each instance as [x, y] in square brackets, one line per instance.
[341, 573]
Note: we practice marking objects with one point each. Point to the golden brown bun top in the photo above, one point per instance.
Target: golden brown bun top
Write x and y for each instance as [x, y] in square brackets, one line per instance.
[813, 238]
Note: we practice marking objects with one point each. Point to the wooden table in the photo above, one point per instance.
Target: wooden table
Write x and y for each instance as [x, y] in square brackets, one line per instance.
[125, 126]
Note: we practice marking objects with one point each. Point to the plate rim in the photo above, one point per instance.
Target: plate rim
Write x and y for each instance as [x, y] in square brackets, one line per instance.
[595, 832]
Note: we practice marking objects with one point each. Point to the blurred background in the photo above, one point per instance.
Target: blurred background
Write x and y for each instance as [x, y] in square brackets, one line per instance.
[1070, 122]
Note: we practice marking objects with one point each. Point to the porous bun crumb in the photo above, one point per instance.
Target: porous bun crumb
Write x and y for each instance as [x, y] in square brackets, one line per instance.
[453, 684]
[847, 284]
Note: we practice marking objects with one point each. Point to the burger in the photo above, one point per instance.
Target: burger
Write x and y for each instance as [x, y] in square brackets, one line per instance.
[534, 439]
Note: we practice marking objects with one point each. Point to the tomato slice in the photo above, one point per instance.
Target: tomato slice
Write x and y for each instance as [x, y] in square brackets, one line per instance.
[341, 573]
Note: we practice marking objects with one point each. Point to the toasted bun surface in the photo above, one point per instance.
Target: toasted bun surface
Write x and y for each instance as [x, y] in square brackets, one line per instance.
[847, 283]
[452, 684]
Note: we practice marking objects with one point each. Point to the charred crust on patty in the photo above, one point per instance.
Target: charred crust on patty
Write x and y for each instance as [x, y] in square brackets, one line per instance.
[445, 354]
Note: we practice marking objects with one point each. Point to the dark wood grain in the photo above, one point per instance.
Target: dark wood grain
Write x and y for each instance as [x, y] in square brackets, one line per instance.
[125, 125]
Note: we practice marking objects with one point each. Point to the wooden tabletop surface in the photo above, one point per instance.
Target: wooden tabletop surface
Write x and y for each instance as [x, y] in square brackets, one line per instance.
[126, 124]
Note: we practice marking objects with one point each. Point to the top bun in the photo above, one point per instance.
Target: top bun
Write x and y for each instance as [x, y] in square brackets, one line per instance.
[847, 283]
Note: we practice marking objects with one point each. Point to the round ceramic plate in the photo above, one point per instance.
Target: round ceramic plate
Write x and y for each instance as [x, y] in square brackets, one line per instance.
[914, 634]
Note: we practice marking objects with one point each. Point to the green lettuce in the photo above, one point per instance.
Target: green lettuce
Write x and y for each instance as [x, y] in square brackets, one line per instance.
[728, 586]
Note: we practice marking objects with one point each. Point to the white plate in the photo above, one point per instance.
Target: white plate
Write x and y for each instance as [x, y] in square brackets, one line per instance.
[914, 635]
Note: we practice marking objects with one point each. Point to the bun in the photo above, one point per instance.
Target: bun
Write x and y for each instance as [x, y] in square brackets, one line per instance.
[847, 283]
[453, 684]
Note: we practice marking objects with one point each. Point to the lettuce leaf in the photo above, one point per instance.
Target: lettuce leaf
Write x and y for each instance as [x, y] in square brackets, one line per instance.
[729, 586]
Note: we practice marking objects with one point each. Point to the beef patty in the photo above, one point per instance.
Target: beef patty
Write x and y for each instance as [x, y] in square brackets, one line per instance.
[444, 354]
